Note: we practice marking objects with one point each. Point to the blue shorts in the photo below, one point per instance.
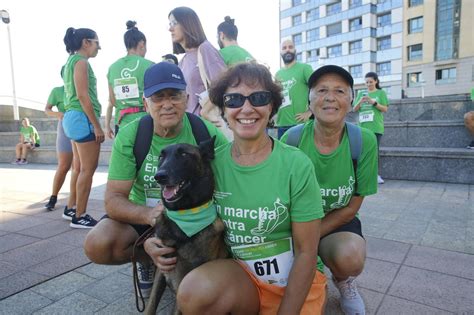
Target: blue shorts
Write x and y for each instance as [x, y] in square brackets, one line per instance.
[77, 126]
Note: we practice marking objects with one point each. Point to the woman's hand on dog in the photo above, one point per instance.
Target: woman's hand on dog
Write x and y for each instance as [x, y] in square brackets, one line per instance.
[156, 250]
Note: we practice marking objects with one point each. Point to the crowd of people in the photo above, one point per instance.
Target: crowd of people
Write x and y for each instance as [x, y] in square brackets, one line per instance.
[321, 167]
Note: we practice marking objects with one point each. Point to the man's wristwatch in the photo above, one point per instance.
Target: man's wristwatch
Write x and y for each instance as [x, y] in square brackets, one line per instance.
[374, 104]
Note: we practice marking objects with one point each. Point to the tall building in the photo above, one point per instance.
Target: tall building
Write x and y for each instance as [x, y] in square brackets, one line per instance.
[417, 47]
[438, 50]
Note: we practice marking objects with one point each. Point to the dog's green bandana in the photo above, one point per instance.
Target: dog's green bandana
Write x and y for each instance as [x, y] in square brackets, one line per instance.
[192, 221]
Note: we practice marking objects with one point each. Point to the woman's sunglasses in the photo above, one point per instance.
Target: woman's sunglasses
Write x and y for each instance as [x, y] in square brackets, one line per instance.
[236, 100]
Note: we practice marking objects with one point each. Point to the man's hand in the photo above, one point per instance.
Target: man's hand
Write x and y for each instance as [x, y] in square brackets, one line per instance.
[154, 213]
[156, 250]
[302, 117]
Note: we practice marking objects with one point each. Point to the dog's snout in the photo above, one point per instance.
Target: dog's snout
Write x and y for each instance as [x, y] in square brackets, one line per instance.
[161, 176]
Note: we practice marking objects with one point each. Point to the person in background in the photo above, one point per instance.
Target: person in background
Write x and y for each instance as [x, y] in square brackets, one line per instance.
[371, 105]
[469, 123]
[125, 78]
[294, 79]
[281, 238]
[81, 121]
[231, 52]
[188, 37]
[63, 152]
[29, 140]
[170, 58]
[343, 184]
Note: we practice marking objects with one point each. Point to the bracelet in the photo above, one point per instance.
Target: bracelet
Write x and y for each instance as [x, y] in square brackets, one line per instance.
[374, 104]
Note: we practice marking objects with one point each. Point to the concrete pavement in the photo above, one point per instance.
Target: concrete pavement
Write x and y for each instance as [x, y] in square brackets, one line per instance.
[420, 260]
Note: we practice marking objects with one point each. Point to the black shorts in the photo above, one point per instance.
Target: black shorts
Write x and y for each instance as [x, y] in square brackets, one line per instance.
[354, 227]
[139, 228]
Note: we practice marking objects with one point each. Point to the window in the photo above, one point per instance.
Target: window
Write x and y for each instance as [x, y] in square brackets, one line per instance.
[355, 24]
[296, 19]
[445, 76]
[415, 25]
[312, 14]
[356, 71]
[384, 43]
[335, 51]
[334, 29]
[296, 2]
[333, 8]
[414, 79]
[415, 52]
[384, 68]
[299, 57]
[355, 47]
[312, 55]
[312, 35]
[354, 3]
[448, 20]
[297, 39]
[384, 19]
[381, 1]
[412, 3]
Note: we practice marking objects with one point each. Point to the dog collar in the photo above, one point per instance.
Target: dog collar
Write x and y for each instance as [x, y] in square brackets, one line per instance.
[192, 221]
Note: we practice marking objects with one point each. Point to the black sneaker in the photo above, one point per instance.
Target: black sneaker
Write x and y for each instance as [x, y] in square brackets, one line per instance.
[52, 202]
[69, 213]
[471, 145]
[84, 222]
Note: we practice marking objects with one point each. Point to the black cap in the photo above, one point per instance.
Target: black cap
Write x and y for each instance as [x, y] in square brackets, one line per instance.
[330, 69]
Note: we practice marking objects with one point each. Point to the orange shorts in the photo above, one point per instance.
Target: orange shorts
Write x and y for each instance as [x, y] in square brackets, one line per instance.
[271, 295]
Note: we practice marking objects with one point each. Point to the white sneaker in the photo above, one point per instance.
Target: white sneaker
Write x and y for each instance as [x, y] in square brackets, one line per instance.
[146, 275]
[380, 179]
[351, 301]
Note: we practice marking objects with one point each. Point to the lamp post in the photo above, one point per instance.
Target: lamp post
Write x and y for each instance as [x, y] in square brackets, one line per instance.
[6, 19]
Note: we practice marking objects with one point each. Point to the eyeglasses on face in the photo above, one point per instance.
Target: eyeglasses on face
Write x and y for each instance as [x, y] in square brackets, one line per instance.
[257, 99]
[160, 98]
[173, 23]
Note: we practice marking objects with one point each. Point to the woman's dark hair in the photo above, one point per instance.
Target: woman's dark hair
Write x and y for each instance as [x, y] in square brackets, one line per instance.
[192, 28]
[374, 76]
[228, 28]
[133, 36]
[250, 73]
[74, 37]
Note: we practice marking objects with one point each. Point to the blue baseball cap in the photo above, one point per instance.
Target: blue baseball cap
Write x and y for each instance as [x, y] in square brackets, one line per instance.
[163, 75]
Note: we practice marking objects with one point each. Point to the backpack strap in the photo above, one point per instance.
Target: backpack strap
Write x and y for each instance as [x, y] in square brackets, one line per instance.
[355, 142]
[143, 140]
[145, 135]
[294, 135]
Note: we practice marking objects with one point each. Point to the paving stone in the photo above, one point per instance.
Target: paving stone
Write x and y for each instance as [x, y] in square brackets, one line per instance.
[109, 288]
[377, 275]
[445, 236]
[66, 285]
[13, 222]
[435, 289]
[47, 231]
[3, 232]
[35, 253]
[407, 232]
[101, 271]
[13, 240]
[7, 269]
[394, 306]
[122, 306]
[62, 263]
[77, 303]
[19, 281]
[375, 227]
[386, 250]
[448, 262]
[73, 237]
[25, 302]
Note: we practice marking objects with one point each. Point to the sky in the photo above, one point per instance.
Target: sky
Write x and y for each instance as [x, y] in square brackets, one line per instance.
[37, 30]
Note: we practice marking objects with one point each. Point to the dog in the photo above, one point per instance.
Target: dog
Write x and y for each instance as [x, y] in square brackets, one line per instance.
[187, 182]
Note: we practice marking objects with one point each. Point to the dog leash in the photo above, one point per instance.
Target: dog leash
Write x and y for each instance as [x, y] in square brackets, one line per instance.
[138, 292]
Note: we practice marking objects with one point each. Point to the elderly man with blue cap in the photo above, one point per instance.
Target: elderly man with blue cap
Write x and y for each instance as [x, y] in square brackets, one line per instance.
[132, 195]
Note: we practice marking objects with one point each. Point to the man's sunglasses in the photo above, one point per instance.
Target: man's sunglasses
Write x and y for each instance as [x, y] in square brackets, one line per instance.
[236, 100]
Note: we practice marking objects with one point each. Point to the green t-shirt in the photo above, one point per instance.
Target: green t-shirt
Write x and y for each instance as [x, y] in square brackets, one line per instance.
[369, 116]
[235, 54]
[294, 81]
[122, 164]
[71, 101]
[335, 171]
[56, 98]
[28, 133]
[125, 76]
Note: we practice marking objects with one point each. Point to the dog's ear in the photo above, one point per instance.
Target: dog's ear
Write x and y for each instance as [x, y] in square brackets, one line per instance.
[206, 148]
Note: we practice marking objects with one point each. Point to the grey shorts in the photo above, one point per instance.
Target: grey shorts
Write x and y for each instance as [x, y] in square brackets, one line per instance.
[63, 143]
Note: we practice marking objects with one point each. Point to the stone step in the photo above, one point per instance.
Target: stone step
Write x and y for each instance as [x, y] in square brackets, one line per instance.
[435, 134]
[48, 138]
[41, 124]
[47, 155]
[448, 165]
